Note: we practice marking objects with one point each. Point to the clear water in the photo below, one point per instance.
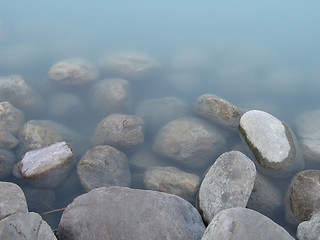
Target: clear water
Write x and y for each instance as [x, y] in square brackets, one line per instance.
[255, 54]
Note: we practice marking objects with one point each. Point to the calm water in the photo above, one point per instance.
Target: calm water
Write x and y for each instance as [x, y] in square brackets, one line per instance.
[256, 54]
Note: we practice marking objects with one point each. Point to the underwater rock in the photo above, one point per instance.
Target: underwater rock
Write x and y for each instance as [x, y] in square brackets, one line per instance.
[73, 71]
[7, 140]
[7, 160]
[11, 118]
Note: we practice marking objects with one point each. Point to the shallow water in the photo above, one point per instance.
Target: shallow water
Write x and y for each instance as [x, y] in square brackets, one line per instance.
[257, 55]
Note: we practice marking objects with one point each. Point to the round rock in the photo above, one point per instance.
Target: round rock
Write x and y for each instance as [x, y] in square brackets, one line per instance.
[7, 140]
[11, 118]
[309, 230]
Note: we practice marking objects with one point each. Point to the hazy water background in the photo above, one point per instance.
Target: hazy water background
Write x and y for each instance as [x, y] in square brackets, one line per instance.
[256, 54]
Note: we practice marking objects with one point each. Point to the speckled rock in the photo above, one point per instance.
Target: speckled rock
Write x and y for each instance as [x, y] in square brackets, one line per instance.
[7, 140]
[309, 230]
[227, 184]
[7, 160]
[103, 166]
[11, 118]
[73, 71]
[190, 141]
[124, 213]
[172, 180]
[122, 131]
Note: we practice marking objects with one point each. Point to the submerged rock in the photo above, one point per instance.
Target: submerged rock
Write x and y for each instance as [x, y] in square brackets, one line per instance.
[7, 140]
[11, 118]
[7, 160]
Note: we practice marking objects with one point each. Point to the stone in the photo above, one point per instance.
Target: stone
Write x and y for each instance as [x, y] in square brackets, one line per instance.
[227, 184]
[21, 226]
[11, 118]
[73, 71]
[272, 143]
[46, 167]
[122, 131]
[124, 213]
[309, 230]
[218, 110]
[243, 223]
[7, 160]
[12, 200]
[172, 180]
[7, 140]
[130, 65]
[111, 96]
[103, 166]
[190, 141]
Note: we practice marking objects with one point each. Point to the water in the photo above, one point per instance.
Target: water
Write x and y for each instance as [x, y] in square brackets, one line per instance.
[255, 54]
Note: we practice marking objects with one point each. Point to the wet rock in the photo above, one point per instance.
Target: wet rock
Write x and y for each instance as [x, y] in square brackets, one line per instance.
[190, 141]
[157, 112]
[272, 143]
[302, 198]
[12, 200]
[16, 91]
[227, 184]
[7, 160]
[309, 230]
[124, 213]
[111, 96]
[7, 140]
[36, 134]
[172, 180]
[46, 167]
[21, 226]
[308, 132]
[243, 223]
[73, 71]
[103, 166]
[218, 111]
[129, 65]
[11, 118]
[122, 131]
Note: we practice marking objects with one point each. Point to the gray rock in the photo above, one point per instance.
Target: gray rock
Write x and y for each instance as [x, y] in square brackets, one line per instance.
[11, 118]
[73, 71]
[22, 226]
[218, 111]
[46, 167]
[7, 140]
[12, 200]
[190, 141]
[309, 230]
[7, 160]
[172, 180]
[103, 166]
[124, 213]
[111, 96]
[243, 223]
[308, 132]
[227, 184]
[122, 131]
[16, 91]
[272, 143]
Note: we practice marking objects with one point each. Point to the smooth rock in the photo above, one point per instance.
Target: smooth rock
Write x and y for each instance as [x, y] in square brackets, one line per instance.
[309, 230]
[242, 223]
[11, 118]
[7, 160]
[7, 140]
[103, 166]
[124, 213]
[227, 184]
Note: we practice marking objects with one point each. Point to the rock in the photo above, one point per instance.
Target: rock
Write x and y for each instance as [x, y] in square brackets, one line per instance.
[11, 118]
[12, 200]
[243, 223]
[7, 140]
[190, 141]
[36, 134]
[272, 143]
[111, 96]
[46, 167]
[218, 110]
[124, 213]
[21, 226]
[172, 180]
[103, 166]
[7, 160]
[157, 112]
[73, 71]
[129, 65]
[227, 184]
[302, 197]
[122, 131]
[309, 230]
[308, 131]
[16, 91]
